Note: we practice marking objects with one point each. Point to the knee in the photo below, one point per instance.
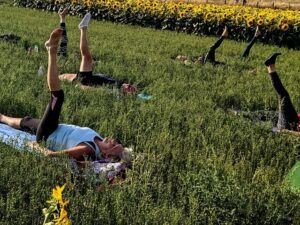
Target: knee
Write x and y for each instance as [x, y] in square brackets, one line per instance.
[87, 59]
[24, 121]
[59, 96]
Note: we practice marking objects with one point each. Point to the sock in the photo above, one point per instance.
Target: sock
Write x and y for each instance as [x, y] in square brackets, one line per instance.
[85, 21]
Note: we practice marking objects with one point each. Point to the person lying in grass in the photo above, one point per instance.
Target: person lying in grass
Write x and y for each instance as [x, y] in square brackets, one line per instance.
[210, 55]
[85, 75]
[60, 139]
[286, 118]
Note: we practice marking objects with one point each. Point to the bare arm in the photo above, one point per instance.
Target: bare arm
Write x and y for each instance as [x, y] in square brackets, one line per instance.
[38, 148]
[75, 152]
[68, 76]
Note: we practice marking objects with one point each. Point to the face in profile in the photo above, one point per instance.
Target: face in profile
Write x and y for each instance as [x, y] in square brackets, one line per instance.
[111, 147]
[127, 88]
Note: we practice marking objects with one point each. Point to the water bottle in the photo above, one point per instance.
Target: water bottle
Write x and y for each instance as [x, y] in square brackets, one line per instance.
[36, 48]
[41, 71]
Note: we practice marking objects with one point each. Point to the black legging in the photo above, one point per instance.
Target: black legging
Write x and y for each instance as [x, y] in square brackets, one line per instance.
[287, 115]
[42, 128]
[88, 79]
[248, 48]
[64, 41]
[210, 56]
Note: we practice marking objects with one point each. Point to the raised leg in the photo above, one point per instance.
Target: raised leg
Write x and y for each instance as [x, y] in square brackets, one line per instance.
[52, 75]
[210, 56]
[287, 117]
[64, 38]
[49, 121]
[86, 56]
[251, 43]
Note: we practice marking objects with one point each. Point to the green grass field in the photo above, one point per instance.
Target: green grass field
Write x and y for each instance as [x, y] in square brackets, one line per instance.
[195, 163]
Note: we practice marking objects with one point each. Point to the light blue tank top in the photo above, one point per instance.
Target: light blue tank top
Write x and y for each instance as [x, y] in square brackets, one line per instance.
[68, 136]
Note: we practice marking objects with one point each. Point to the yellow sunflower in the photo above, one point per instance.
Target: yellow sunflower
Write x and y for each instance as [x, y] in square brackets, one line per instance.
[267, 21]
[182, 14]
[57, 193]
[208, 16]
[115, 6]
[284, 27]
[250, 22]
[260, 22]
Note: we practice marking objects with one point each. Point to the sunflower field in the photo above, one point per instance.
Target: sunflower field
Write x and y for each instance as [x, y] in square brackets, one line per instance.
[280, 27]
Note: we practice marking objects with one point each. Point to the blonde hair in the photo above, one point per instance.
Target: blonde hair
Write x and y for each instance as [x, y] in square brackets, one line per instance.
[127, 155]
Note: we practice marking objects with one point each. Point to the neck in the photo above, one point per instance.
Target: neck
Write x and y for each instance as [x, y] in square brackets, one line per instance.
[101, 146]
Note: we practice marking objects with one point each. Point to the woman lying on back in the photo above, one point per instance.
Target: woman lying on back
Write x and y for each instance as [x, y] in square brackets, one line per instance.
[71, 140]
[85, 75]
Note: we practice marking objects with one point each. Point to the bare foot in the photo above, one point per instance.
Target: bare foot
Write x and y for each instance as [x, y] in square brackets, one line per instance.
[62, 15]
[68, 76]
[53, 40]
[257, 32]
[225, 32]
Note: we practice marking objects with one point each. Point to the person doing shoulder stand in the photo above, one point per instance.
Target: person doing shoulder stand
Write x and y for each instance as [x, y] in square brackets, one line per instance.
[71, 140]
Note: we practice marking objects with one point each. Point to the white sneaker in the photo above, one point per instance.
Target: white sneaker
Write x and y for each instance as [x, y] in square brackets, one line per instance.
[85, 21]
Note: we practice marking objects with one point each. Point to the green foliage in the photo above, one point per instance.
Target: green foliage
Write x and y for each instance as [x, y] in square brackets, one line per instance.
[196, 164]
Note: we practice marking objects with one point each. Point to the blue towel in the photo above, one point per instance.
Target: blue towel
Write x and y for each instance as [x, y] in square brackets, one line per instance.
[15, 138]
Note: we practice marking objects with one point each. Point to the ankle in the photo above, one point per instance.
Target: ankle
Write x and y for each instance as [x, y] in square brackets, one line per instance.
[271, 68]
[52, 50]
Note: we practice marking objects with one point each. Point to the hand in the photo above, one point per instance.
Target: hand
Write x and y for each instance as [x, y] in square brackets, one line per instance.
[36, 147]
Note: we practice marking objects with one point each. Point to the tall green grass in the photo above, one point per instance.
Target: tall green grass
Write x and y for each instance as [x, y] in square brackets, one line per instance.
[195, 163]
